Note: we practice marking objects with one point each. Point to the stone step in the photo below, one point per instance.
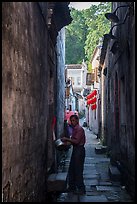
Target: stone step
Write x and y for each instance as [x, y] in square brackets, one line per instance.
[100, 149]
[114, 173]
[57, 182]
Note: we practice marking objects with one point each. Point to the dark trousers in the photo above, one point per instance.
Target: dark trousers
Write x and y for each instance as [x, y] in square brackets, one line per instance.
[76, 167]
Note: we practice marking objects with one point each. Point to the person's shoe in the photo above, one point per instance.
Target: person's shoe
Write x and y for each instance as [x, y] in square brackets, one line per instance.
[79, 192]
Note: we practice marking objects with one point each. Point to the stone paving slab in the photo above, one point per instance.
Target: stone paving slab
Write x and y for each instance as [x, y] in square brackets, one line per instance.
[89, 188]
[100, 198]
[105, 183]
[88, 176]
[90, 171]
[89, 158]
[100, 159]
[91, 182]
[107, 188]
[68, 197]
[118, 196]
[89, 165]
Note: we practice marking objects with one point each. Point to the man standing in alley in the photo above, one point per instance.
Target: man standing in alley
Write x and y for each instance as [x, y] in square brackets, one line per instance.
[76, 167]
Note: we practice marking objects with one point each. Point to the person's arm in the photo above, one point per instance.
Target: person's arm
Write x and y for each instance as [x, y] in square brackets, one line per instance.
[64, 139]
[76, 137]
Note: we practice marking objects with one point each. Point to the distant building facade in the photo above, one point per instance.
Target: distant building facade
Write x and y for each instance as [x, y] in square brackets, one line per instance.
[93, 114]
[77, 75]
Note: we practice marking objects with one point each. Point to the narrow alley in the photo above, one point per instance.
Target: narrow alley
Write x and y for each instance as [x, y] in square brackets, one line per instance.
[58, 61]
[99, 186]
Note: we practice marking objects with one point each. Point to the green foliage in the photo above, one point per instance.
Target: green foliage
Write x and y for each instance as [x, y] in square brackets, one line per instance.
[98, 26]
[83, 34]
[89, 66]
[76, 34]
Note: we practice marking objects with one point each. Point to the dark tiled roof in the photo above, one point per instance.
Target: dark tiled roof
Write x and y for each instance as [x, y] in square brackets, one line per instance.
[74, 66]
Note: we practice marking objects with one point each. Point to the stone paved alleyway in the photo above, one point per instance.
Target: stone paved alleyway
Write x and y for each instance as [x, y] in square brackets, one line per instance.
[99, 187]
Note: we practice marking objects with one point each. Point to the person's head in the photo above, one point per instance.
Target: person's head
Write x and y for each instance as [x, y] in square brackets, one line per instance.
[74, 120]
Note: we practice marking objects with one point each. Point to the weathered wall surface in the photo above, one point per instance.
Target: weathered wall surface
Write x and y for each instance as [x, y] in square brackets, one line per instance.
[31, 62]
[121, 97]
[24, 101]
[60, 93]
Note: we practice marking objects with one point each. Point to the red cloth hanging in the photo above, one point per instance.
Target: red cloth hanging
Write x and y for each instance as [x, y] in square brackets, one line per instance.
[91, 101]
[92, 94]
[94, 106]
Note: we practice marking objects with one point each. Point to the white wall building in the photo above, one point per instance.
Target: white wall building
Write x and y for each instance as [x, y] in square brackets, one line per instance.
[93, 115]
[77, 74]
